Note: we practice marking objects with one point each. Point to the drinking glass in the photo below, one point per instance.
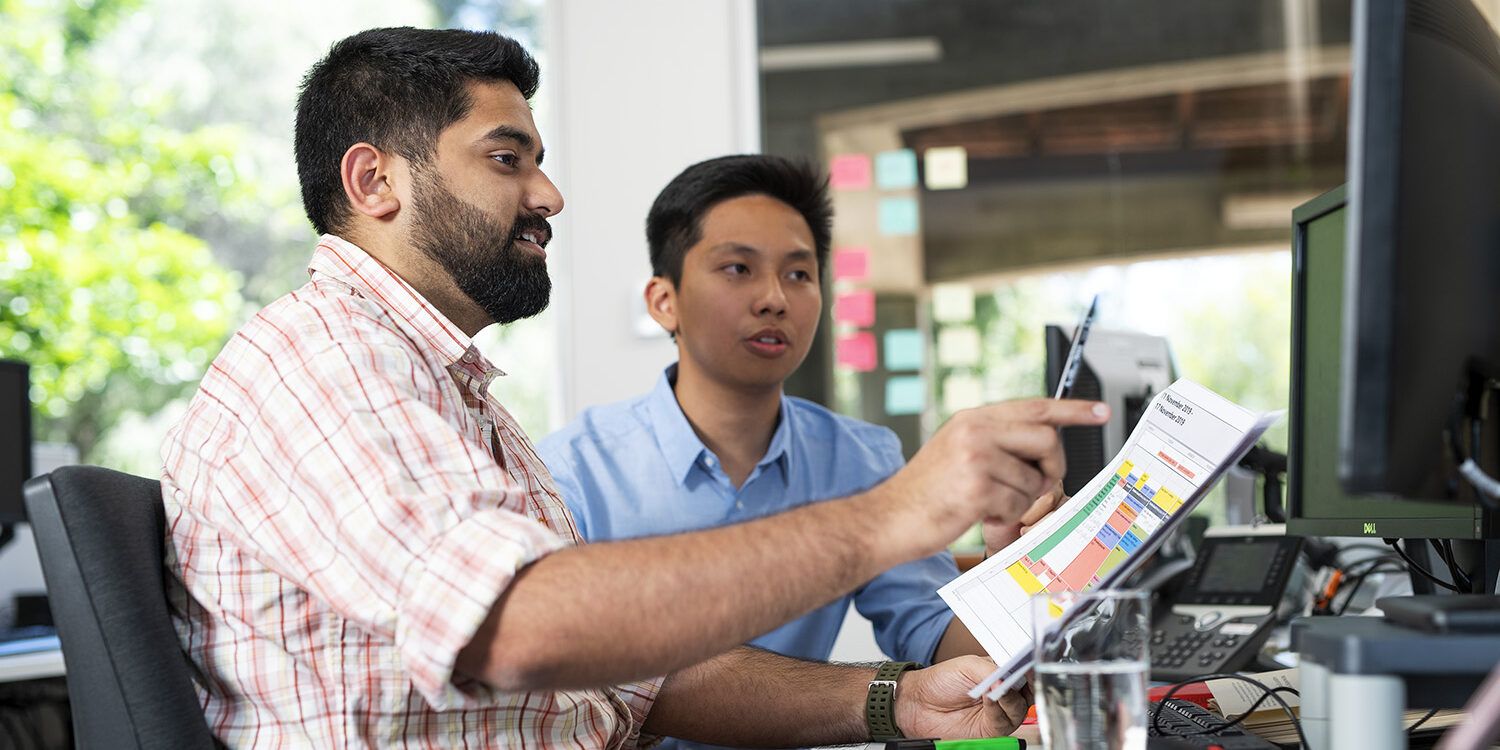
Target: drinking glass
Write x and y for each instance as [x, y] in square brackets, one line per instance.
[1091, 668]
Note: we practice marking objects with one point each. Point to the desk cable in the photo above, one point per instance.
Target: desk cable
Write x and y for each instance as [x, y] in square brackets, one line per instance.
[1417, 567]
[1268, 692]
[1419, 722]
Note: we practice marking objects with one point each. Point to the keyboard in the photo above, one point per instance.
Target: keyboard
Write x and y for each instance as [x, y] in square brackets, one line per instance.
[1180, 719]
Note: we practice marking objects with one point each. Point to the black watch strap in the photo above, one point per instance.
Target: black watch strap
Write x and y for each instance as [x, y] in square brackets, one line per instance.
[880, 701]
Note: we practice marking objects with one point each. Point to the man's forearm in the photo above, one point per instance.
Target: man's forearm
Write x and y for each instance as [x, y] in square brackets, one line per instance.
[957, 641]
[754, 698]
[607, 613]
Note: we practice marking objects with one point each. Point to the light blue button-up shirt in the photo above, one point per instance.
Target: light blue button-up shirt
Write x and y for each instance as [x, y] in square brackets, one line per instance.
[636, 468]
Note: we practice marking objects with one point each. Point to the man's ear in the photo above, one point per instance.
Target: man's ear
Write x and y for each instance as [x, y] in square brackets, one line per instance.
[366, 172]
[661, 302]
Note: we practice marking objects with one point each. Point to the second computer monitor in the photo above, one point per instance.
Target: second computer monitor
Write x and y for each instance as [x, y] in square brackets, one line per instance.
[1121, 368]
[1317, 504]
[15, 438]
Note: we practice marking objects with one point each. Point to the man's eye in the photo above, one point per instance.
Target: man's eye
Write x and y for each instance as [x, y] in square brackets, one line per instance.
[801, 276]
[736, 269]
[509, 160]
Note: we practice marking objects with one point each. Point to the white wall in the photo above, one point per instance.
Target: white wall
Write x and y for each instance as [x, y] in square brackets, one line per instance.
[636, 91]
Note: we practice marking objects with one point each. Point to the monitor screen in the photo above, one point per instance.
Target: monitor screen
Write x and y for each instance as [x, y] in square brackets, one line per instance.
[15, 438]
[1237, 568]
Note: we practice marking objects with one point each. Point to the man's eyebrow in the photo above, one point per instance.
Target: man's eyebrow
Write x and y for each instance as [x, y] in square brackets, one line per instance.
[737, 248]
[740, 248]
[521, 137]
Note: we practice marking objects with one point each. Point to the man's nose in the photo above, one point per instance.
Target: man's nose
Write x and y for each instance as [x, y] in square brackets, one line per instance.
[772, 299]
[542, 196]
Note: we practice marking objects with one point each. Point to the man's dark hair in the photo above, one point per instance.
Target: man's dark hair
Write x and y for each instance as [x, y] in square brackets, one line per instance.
[395, 89]
[675, 222]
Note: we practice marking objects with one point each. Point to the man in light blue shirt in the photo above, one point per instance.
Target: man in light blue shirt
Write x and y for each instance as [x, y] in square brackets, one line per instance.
[738, 245]
[637, 468]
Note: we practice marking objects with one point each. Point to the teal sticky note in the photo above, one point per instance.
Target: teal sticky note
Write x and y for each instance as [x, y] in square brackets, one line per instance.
[898, 216]
[897, 169]
[903, 349]
[905, 395]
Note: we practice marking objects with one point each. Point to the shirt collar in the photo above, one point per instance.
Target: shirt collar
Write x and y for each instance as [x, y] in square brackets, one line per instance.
[346, 263]
[680, 445]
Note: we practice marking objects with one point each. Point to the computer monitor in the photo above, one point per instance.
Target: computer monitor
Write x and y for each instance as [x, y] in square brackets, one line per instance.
[1422, 289]
[15, 438]
[1121, 368]
[1317, 504]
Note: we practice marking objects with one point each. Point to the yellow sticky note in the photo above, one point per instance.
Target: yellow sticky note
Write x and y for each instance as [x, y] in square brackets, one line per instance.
[959, 346]
[946, 168]
[952, 303]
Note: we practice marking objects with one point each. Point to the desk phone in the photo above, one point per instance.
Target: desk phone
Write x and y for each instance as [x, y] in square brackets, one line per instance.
[1226, 607]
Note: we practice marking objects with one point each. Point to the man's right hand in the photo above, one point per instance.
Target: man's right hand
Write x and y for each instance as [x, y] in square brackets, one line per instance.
[986, 463]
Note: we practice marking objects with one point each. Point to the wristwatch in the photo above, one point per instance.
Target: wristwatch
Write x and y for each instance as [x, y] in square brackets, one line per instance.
[880, 701]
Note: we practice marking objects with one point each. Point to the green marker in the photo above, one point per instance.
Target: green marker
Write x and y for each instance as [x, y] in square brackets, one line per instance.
[990, 743]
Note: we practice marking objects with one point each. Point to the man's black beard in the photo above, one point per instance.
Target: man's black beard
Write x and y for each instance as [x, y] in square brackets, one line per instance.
[480, 253]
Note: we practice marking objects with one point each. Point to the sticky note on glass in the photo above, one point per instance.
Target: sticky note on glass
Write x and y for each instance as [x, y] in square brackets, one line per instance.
[962, 391]
[897, 169]
[958, 346]
[898, 216]
[856, 351]
[905, 395]
[849, 172]
[945, 168]
[903, 349]
[851, 264]
[952, 303]
[857, 308]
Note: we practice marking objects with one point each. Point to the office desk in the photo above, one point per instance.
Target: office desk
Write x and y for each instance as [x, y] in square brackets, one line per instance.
[32, 666]
[1359, 674]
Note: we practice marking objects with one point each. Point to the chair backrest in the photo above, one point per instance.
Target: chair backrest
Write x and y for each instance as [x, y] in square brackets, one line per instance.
[100, 536]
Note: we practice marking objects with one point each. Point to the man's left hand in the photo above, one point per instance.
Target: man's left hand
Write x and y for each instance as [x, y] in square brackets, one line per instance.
[935, 703]
[999, 535]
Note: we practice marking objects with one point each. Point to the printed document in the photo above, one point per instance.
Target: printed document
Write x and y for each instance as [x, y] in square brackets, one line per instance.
[1187, 438]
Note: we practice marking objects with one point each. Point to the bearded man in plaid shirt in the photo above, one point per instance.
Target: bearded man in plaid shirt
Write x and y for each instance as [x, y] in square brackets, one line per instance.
[364, 549]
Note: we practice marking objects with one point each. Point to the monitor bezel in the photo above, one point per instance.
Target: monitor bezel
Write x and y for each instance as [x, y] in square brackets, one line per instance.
[17, 513]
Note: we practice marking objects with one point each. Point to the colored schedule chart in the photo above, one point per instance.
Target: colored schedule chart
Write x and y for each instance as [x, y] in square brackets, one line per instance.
[1170, 459]
[1099, 536]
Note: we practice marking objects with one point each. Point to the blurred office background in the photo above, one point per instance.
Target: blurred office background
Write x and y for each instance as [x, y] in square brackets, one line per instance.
[995, 164]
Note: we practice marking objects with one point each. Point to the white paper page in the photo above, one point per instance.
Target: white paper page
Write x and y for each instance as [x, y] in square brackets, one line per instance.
[1237, 696]
[1186, 438]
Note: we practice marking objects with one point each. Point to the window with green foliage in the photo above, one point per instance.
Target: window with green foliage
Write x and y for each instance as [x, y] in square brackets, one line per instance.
[149, 201]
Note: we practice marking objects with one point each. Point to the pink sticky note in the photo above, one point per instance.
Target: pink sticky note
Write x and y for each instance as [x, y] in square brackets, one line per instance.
[856, 351]
[849, 172]
[851, 264]
[856, 308]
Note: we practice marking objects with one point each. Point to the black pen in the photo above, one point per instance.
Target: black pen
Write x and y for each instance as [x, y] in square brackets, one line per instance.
[1075, 351]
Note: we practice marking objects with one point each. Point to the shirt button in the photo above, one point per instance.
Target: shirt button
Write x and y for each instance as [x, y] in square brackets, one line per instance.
[739, 504]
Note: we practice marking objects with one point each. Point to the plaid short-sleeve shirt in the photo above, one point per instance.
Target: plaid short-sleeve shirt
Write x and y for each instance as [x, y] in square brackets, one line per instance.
[345, 502]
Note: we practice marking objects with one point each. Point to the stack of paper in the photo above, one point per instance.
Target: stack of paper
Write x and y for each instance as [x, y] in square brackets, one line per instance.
[1269, 722]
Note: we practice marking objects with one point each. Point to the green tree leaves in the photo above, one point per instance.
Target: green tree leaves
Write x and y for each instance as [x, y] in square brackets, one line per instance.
[116, 307]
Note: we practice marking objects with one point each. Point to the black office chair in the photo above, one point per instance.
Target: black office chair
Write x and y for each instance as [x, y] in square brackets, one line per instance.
[99, 534]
